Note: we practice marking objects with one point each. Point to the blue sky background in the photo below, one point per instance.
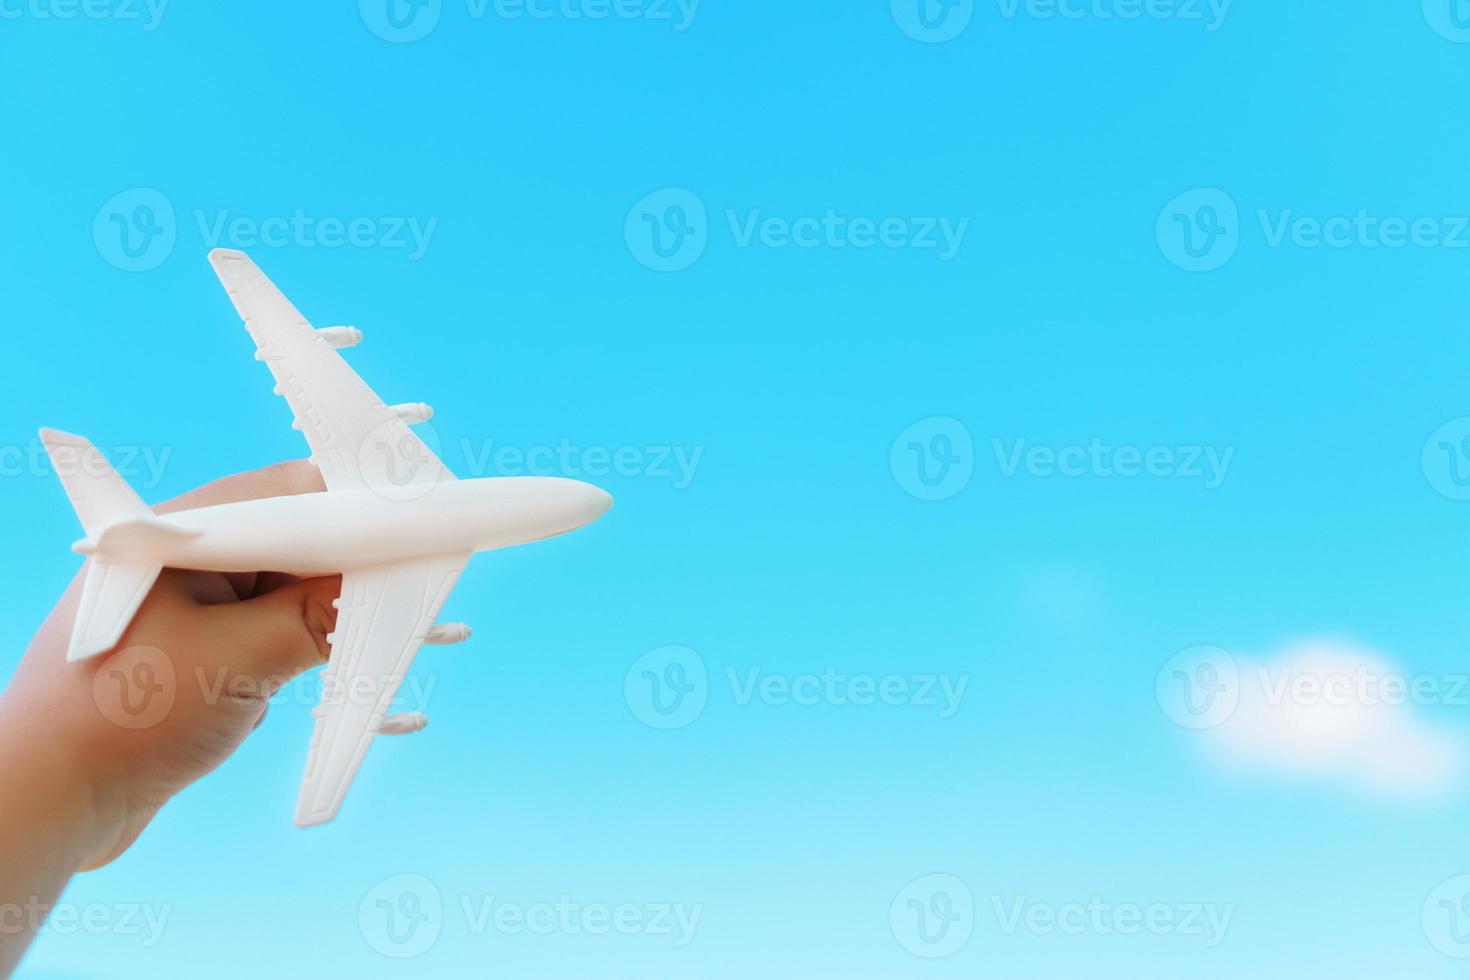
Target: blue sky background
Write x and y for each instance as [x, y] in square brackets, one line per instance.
[532, 317]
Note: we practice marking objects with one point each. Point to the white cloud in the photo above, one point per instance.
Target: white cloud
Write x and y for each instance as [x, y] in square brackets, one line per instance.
[1331, 711]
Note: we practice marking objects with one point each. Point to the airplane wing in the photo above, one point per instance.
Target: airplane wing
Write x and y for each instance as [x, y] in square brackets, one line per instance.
[356, 440]
[383, 617]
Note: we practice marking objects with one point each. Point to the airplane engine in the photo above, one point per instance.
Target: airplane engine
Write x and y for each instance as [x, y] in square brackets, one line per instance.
[404, 724]
[414, 412]
[340, 337]
[446, 633]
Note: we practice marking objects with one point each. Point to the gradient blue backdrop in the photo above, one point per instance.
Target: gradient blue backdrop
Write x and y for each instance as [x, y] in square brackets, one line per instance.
[529, 320]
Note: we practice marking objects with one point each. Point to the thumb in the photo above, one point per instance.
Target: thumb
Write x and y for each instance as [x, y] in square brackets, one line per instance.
[282, 633]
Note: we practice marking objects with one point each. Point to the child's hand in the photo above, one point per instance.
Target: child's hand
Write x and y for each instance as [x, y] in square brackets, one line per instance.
[123, 732]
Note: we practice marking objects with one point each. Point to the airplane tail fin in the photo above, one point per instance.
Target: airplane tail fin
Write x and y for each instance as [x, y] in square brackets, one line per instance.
[115, 585]
[98, 493]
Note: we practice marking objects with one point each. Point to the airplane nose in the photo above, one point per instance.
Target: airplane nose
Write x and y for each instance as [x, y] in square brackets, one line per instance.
[602, 502]
[518, 509]
[586, 503]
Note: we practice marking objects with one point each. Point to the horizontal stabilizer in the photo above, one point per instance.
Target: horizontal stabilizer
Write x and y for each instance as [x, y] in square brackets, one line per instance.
[135, 536]
[111, 596]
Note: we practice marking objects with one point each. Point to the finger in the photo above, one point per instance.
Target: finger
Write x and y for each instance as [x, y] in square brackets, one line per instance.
[267, 582]
[280, 480]
[243, 583]
[282, 633]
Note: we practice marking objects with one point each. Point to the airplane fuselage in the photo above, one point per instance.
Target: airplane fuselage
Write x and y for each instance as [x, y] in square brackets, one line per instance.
[336, 531]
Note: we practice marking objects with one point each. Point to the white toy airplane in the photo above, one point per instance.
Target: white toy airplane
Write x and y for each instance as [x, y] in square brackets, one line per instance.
[394, 521]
